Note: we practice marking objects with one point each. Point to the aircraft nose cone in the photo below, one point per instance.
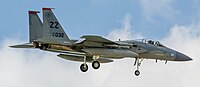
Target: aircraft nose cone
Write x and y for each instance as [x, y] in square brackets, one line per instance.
[182, 57]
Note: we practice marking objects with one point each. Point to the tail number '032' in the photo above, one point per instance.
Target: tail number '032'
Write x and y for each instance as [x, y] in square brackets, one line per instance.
[58, 35]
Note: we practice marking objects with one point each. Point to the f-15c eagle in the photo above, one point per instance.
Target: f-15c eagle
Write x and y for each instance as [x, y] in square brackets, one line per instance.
[50, 36]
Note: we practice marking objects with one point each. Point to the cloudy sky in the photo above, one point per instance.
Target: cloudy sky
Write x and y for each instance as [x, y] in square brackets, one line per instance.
[175, 23]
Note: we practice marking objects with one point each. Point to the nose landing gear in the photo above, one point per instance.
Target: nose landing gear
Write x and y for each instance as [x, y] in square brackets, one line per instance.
[137, 63]
[137, 72]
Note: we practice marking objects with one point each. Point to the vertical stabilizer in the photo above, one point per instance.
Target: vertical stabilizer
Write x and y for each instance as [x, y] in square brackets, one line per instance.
[35, 26]
[52, 28]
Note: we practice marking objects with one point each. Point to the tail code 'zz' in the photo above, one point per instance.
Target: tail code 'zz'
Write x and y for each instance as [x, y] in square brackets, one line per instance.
[52, 28]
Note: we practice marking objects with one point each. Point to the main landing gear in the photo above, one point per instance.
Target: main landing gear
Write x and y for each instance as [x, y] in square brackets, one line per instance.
[84, 66]
[95, 64]
[137, 64]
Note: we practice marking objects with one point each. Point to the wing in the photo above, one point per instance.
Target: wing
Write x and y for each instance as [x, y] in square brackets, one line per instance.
[98, 39]
[80, 58]
[94, 41]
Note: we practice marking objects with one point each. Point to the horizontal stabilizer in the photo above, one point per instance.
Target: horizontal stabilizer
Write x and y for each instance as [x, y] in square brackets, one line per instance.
[26, 45]
[50, 41]
[80, 58]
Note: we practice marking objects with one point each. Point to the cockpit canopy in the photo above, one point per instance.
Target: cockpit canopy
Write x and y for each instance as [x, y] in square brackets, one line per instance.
[153, 42]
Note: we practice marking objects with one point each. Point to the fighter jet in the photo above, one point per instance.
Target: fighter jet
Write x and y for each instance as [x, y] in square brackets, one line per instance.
[50, 36]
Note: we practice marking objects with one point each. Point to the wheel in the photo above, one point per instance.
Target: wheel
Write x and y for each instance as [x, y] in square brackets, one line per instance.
[95, 64]
[84, 67]
[137, 72]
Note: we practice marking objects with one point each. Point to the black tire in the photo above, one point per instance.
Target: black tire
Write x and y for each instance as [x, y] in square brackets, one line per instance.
[84, 67]
[95, 64]
[137, 72]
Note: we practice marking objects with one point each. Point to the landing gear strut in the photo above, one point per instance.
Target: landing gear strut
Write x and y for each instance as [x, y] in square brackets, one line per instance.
[137, 64]
[84, 66]
[95, 63]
